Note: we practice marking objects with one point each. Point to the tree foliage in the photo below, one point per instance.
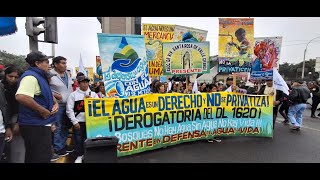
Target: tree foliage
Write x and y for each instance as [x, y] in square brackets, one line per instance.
[294, 71]
[12, 59]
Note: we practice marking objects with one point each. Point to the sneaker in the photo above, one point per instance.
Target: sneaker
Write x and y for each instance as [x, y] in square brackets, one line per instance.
[62, 153]
[214, 139]
[297, 128]
[54, 157]
[69, 150]
[79, 159]
[285, 121]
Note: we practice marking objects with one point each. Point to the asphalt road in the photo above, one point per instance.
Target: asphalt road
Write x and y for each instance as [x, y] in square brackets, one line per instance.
[286, 146]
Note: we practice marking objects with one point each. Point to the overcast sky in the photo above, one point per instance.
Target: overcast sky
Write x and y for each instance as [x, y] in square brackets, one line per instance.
[79, 35]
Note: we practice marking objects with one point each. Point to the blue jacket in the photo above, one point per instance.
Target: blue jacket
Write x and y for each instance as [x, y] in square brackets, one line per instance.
[28, 116]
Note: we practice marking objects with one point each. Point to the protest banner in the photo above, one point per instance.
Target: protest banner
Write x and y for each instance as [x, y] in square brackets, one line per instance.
[266, 57]
[186, 58]
[154, 35]
[124, 65]
[148, 122]
[235, 44]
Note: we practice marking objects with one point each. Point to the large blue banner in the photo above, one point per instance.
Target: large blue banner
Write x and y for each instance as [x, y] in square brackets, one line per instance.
[124, 65]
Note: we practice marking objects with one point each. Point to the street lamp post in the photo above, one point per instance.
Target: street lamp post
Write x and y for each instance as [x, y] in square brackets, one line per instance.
[304, 56]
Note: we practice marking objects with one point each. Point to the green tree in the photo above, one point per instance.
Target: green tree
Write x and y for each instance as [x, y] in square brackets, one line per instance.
[17, 60]
[293, 71]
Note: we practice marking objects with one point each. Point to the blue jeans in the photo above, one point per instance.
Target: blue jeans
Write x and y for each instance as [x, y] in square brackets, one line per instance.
[80, 135]
[61, 133]
[295, 114]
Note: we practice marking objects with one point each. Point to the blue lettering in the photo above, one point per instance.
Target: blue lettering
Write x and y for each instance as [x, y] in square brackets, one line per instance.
[116, 107]
[161, 103]
[167, 103]
[228, 99]
[90, 108]
[95, 108]
[199, 101]
[104, 113]
[125, 109]
[184, 101]
[179, 102]
[142, 106]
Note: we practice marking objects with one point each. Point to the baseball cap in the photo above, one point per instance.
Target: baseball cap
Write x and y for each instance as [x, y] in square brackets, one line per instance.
[36, 56]
[229, 78]
[83, 78]
[80, 74]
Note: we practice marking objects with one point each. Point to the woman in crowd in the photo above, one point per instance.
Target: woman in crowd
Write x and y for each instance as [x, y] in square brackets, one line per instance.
[188, 90]
[213, 88]
[160, 88]
[17, 149]
[101, 92]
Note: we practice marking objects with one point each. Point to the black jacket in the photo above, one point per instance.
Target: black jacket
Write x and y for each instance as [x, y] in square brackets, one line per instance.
[299, 94]
[4, 107]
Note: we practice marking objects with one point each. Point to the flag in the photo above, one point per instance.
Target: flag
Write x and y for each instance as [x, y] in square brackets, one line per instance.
[229, 89]
[81, 67]
[279, 83]
[195, 87]
[169, 86]
[7, 25]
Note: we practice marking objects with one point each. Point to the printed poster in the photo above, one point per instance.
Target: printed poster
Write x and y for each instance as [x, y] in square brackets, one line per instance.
[266, 57]
[189, 34]
[236, 42]
[186, 58]
[98, 75]
[124, 65]
[154, 35]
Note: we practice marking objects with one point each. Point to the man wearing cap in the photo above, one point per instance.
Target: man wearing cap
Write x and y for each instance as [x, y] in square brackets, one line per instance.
[37, 109]
[75, 112]
[61, 86]
[298, 98]
[229, 87]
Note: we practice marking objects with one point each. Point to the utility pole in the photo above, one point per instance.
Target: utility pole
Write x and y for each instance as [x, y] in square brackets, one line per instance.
[33, 43]
[53, 50]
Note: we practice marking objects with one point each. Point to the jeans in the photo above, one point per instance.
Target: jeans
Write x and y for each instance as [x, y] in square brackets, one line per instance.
[60, 135]
[37, 140]
[80, 135]
[295, 114]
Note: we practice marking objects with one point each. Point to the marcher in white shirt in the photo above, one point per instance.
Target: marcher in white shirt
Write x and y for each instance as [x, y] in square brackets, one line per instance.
[75, 112]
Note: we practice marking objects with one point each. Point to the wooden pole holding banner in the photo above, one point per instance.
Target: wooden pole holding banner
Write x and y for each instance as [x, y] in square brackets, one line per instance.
[187, 81]
[234, 82]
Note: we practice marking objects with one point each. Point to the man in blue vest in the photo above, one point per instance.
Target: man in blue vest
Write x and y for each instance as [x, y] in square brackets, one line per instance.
[37, 109]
